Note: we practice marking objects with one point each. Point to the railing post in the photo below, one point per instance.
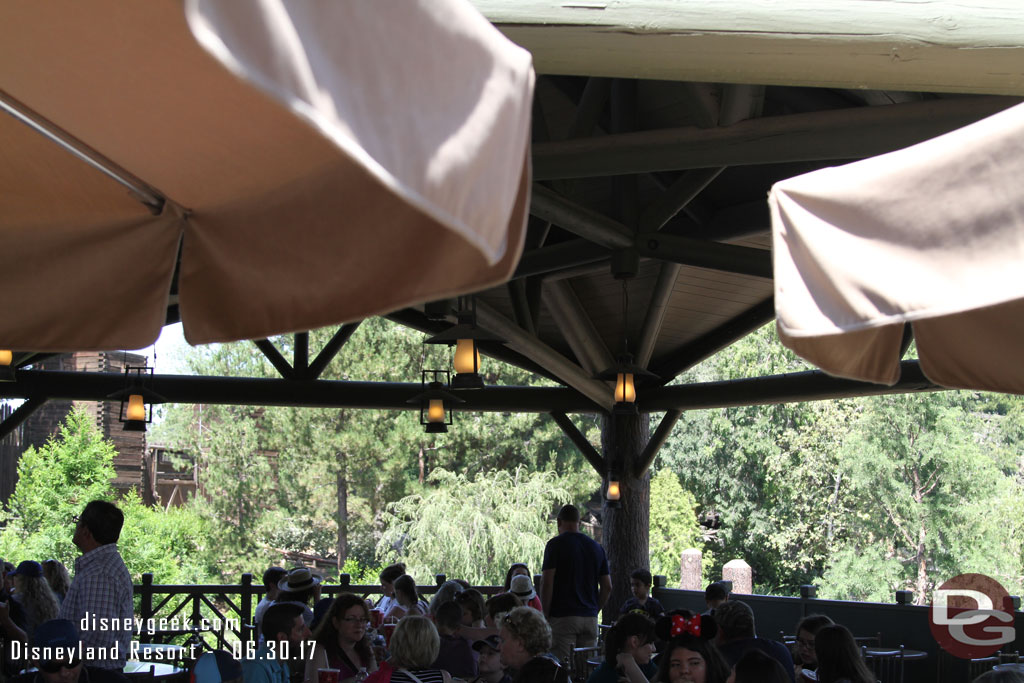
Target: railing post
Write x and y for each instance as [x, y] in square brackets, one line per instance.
[440, 579]
[344, 580]
[246, 616]
[146, 606]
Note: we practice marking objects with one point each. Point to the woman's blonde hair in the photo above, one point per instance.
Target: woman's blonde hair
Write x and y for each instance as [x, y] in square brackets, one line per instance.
[56, 575]
[37, 598]
[415, 643]
[530, 627]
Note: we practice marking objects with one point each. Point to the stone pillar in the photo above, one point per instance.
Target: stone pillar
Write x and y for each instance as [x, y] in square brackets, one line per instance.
[740, 574]
[689, 566]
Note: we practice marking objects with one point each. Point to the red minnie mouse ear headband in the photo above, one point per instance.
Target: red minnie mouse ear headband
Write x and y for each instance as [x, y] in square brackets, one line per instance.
[685, 623]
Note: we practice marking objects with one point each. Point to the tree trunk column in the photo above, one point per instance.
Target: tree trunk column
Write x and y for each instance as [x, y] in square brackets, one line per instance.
[625, 530]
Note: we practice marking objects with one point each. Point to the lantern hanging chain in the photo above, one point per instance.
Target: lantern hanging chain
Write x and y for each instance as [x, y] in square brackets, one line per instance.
[625, 317]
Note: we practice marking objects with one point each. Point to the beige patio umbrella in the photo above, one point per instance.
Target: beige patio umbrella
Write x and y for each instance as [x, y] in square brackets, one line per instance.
[317, 162]
[932, 235]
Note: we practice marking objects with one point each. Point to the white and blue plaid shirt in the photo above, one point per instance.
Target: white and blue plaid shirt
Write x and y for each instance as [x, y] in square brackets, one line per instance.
[99, 603]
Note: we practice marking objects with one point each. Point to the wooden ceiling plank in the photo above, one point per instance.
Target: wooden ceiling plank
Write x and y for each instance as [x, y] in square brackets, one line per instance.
[683, 359]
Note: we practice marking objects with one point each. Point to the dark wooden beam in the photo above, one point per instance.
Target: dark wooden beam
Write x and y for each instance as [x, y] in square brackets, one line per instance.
[657, 307]
[585, 447]
[331, 348]
[676, 197]
[578, 219]
[678, 362]
[416, 320]
[521, 305]
[728, 258]
[533, 348]
[559, 257]
[98, 386]
[577, 329]
[657, 440]
[813, 385]
[20, 414]
[275, 358]
[300, 357]
[853, 133]
[592, 104]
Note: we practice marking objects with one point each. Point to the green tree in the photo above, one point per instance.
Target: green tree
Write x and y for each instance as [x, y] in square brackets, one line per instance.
[473, 528]
[55, 482]
[936, 496]
[674, 526]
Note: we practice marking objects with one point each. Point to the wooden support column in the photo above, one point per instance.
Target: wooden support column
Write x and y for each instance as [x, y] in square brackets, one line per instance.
[626, 529]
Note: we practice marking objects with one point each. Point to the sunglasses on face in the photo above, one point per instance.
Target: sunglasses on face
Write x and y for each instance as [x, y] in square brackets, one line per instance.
[54, 666]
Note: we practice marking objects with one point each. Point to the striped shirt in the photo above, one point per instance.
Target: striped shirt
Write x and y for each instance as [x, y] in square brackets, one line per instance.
[99, 603]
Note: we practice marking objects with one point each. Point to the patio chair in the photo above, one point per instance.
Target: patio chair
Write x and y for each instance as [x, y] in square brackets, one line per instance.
[887, 665]
[581, 661]
[980, 665]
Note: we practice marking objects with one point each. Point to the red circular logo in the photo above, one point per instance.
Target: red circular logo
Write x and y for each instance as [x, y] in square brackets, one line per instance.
[971, 616]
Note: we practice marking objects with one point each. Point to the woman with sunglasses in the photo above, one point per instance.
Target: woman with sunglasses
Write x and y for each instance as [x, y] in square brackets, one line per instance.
[342, 642]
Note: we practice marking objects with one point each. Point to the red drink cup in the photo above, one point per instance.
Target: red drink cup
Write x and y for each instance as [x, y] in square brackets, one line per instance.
[376, 617]
[387, 630]
[328, 675]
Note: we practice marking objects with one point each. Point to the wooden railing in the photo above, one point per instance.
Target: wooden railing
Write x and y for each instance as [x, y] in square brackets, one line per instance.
[223, 613]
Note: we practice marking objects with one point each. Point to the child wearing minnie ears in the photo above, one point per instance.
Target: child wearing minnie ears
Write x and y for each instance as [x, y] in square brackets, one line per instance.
[690, 656]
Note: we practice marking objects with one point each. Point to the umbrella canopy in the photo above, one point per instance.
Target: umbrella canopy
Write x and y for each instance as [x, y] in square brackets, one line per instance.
[312, 162]
[933, 236]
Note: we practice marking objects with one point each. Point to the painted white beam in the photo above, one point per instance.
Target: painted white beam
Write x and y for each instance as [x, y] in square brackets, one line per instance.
[940, 45]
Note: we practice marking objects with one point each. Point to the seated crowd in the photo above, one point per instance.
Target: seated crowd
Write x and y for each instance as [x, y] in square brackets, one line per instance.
[460, 636]
[513, 637]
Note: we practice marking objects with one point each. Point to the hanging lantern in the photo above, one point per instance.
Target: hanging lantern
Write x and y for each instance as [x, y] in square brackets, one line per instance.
[435, 403]
[465, 336]
[6, 365]
[613, 495]
[623, 373]
[136, 399]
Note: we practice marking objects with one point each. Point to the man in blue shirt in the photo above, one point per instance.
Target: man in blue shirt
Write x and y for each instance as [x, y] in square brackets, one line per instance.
[575, 587]
[285, 635]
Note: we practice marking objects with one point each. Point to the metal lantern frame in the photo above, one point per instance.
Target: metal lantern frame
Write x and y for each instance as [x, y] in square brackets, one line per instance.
[434, 390]
[136, 377]
[466, 328]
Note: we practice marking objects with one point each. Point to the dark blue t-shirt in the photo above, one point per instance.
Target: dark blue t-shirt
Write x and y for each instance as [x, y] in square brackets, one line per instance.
[579, 561]
[732, 652]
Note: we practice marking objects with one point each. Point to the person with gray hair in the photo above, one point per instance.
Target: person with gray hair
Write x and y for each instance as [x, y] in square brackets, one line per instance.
[736, 635]
[446, 592]
[414, 647]
[525, 641]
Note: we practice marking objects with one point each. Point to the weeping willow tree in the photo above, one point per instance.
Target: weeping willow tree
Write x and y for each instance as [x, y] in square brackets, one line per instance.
[474, 528]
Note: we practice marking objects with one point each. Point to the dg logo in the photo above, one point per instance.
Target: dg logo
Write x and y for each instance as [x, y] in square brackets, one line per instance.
[972, 616]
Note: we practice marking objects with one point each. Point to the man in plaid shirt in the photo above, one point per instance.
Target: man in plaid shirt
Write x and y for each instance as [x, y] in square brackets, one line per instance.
[99, 601]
